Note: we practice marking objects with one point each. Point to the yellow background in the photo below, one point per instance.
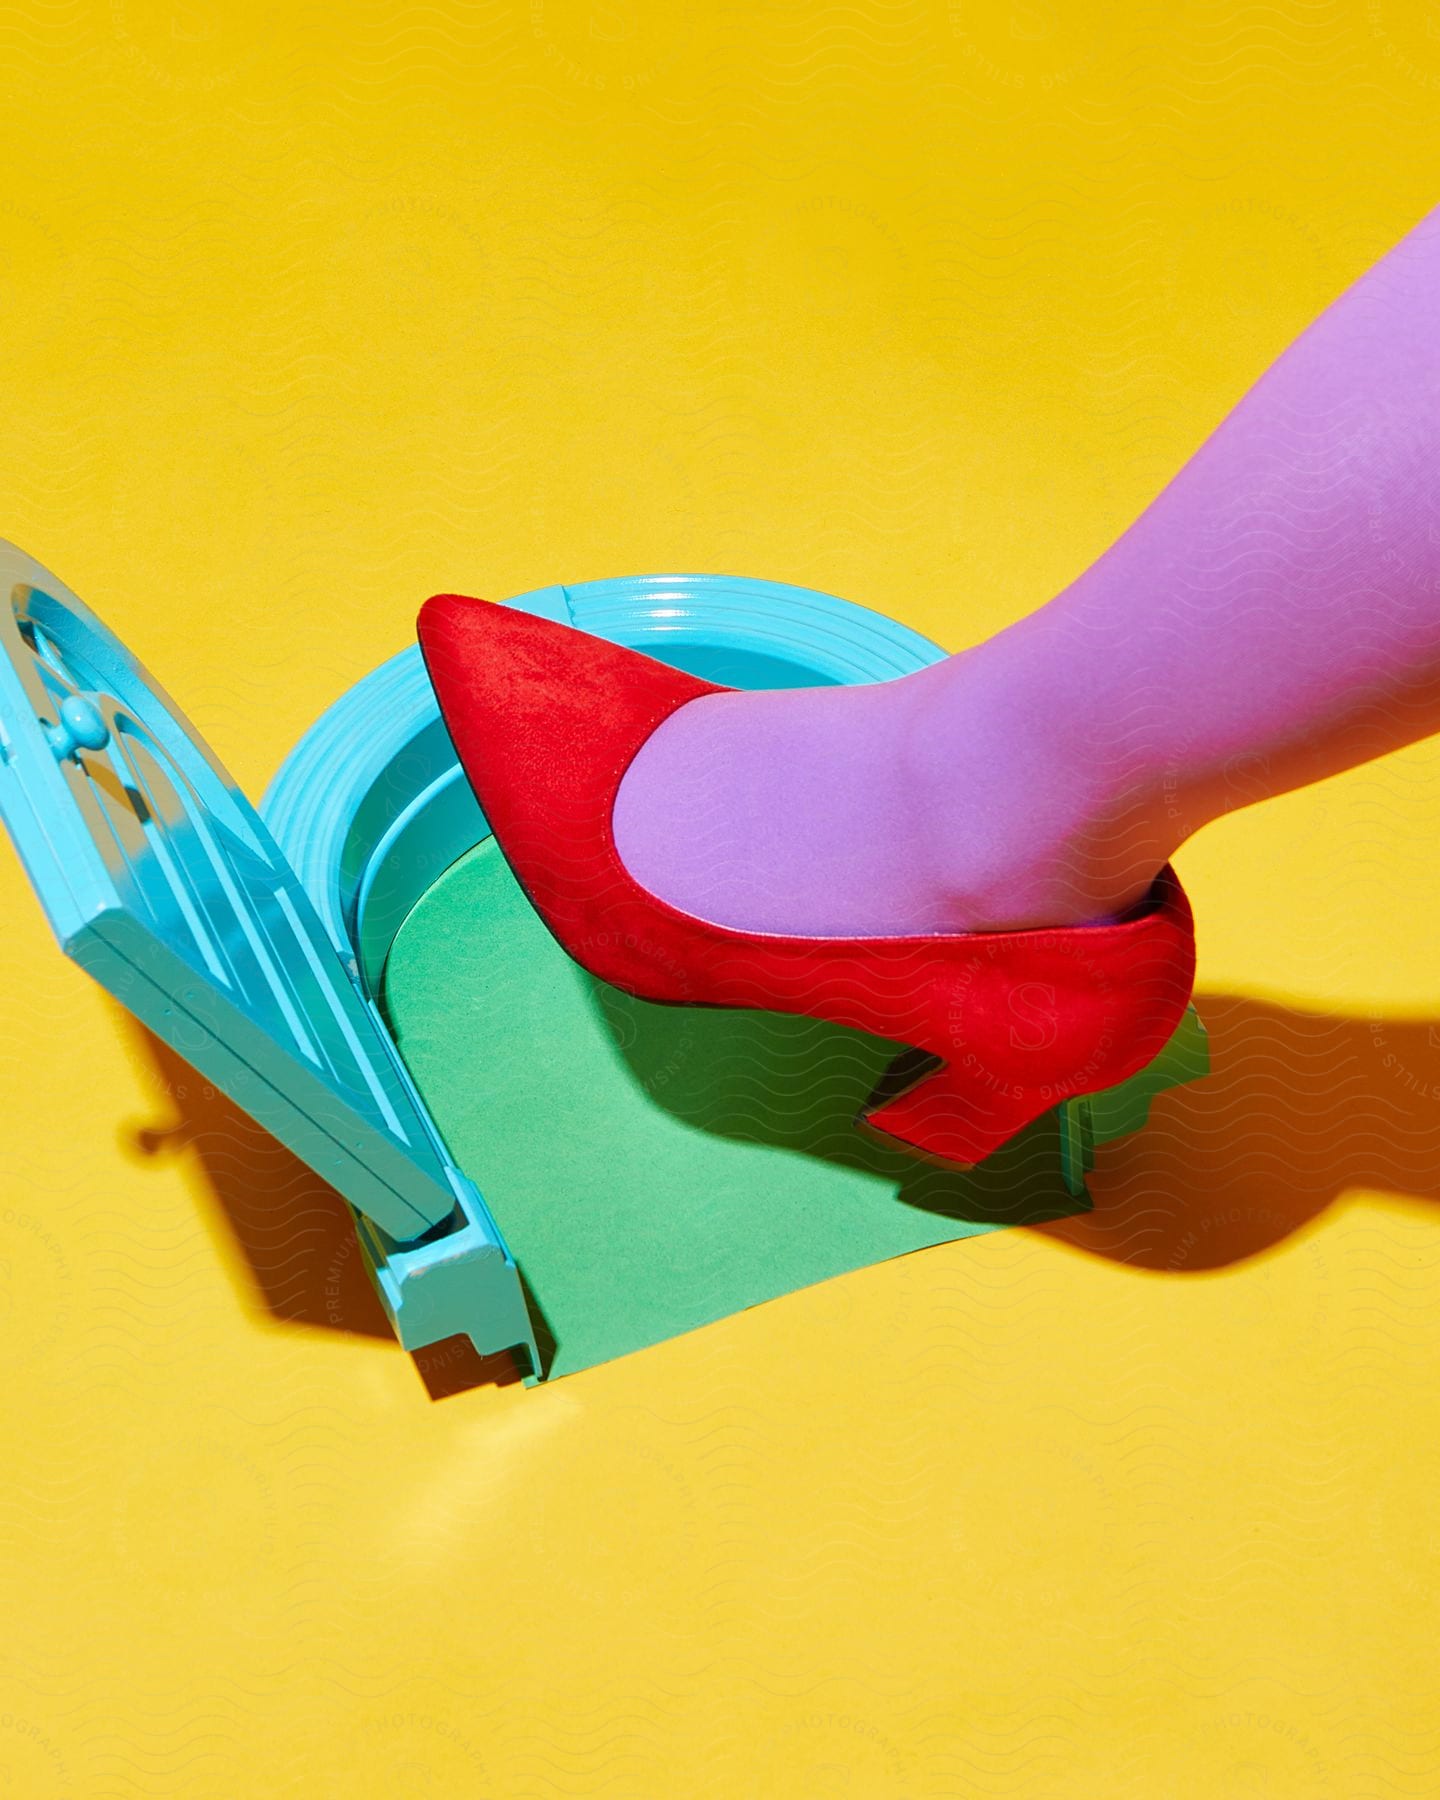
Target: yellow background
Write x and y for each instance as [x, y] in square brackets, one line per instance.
[307, 312]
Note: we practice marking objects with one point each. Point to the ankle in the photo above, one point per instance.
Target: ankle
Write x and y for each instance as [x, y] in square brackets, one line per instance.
[1030, 809]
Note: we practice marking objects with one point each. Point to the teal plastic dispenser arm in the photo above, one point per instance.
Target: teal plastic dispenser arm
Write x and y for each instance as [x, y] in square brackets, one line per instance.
[255, 946]
[160, 879]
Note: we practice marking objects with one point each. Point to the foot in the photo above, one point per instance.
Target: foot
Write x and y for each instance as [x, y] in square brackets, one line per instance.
[960, 798]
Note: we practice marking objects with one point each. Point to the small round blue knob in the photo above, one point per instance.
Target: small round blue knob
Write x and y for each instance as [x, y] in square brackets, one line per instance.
[81, 727]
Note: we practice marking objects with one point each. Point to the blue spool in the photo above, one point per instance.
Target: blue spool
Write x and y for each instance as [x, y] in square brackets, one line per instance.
[255, 943]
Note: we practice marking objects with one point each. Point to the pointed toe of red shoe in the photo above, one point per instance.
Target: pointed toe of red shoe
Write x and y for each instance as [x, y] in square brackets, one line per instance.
[449, 627]
[545, 719]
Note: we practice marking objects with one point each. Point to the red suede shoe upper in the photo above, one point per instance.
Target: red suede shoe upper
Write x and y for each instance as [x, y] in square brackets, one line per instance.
[546, 718]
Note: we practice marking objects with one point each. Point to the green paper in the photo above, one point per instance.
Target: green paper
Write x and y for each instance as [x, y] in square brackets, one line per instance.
[654, 1168]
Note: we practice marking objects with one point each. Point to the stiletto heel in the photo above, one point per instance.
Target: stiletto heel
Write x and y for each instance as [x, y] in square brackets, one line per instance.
[546, 719]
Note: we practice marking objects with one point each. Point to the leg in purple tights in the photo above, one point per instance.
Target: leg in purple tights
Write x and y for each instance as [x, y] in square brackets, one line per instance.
[1273, 617]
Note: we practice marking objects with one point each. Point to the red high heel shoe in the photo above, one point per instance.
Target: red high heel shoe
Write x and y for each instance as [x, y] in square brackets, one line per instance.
[546, 718]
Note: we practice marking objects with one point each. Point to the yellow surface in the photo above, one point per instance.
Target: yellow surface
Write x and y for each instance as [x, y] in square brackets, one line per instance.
[306, 312]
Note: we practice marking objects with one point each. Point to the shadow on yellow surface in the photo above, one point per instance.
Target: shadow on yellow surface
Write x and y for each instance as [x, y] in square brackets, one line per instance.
[1299, 1107]
[293, 1229]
